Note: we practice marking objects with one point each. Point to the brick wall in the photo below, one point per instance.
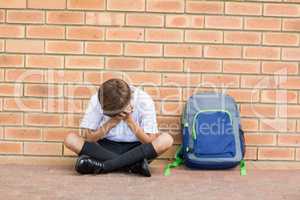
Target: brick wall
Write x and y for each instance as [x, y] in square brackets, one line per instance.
[55, 53]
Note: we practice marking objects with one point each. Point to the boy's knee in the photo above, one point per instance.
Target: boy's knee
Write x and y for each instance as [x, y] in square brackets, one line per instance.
[73, 140]
[163, 143]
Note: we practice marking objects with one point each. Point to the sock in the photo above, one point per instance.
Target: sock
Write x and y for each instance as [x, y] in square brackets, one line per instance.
[130, 157]
[96, 151]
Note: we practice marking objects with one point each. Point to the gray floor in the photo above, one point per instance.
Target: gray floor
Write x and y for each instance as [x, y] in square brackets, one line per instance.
[61, 182]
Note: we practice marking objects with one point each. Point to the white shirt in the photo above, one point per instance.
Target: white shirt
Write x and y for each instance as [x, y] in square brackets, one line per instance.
[143, 114]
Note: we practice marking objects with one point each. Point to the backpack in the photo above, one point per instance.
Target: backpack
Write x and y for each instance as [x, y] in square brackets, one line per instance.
[212, 137]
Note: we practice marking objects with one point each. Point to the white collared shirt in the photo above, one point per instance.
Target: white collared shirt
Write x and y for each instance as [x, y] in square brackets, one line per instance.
[144, 115]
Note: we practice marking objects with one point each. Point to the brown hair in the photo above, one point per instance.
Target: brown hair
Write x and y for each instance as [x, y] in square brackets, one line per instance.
[114, 95]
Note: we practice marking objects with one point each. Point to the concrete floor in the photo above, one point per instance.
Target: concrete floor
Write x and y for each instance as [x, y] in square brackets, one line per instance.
[24, 182]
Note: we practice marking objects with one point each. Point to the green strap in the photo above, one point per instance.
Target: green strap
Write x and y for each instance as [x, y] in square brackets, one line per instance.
[177, 162]
[243, 168]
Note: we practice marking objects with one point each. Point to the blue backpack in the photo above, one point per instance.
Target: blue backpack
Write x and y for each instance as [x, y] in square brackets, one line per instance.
[212, 137]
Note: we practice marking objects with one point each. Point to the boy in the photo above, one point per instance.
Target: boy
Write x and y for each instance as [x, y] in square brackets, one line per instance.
[121, 131]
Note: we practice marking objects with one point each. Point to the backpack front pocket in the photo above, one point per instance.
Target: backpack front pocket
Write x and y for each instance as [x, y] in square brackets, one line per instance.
[213, 134]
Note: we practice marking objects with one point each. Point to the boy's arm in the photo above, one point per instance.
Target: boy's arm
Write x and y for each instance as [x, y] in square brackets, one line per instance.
[138, 131]
[98, 134]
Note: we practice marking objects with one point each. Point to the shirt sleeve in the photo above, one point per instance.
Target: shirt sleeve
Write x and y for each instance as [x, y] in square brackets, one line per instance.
[93, 114]
[148, 116]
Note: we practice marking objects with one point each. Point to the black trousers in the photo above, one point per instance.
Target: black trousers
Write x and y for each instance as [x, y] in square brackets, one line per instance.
[107, 148]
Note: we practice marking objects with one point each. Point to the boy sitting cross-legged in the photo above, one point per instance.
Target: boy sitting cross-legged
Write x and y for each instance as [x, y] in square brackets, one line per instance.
[122, 131]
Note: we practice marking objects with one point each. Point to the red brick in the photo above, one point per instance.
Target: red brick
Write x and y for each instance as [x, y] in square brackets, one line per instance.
[55, 76]
[16, 133]
[53, 4]
[261, 53]
[7, 147]
[290, 83]
[202, 65]
[134, 19]
[168, 122]
[84, 62]
[244, 95]
[243, 8]
[291, 24]
[62, 106]
[126, 5]
[2, 15]
[242, 37]
[280, 67]
[219, 51]
[13, 4]
[164, 93]
[204, 7]
[12, 31]
[9, 60]
[223, 22]
[257, 110]
[7, 118]
[78, 91]
[64, 47]
[188, 21]
[276, 153]
[85, 33]
[39, 119]
[249, 124]
[260, 139]
[11, 90]
[25, 16]
[163, 64]
[143, 49]
[24, 75]
[24, 104]
[44, 61]
[260, 23]
[281, 39]
[242, 67]
[203, 36]
[49, 32]
[258, 82]
[72, 121]
[121, 63]
[133, 34]
[142, 78]
[65, 17]
[164, 35]
[38, 90]
[57, 134]
[291, 54]
[103, 48]
[39, 148]
[251, 153]
[105, 18]
[97, 78]
[289, 111]
[282, 10]
[278, 125]
[165, 6]
[86, 4]
[25, 46]
[220, 81]
[179, 80]
[1, 45]
[171, 108]
[182, 50]
[278, 96]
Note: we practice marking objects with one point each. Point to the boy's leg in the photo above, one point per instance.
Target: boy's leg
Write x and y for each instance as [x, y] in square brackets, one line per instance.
[92, 149]
[148, 151]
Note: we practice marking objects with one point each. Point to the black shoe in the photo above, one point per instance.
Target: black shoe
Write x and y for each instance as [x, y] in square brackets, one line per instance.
[141, 168]
[88, 165]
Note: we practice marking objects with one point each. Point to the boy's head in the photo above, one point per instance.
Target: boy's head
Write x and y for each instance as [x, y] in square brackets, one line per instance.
[114, 95]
